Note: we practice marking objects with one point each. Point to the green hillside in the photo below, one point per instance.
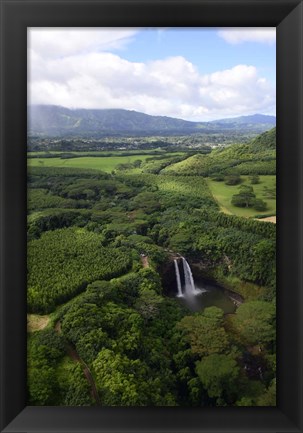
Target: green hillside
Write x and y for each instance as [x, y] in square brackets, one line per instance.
[267, 140]
[256, 157]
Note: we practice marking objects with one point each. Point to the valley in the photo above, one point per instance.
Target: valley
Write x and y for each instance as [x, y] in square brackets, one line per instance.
[104, 229]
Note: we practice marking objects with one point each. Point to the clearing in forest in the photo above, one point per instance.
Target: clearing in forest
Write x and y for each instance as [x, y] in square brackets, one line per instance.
[36, 322]
[264, 190]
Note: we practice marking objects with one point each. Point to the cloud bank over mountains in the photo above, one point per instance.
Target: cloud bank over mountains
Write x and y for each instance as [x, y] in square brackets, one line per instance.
[86, 68]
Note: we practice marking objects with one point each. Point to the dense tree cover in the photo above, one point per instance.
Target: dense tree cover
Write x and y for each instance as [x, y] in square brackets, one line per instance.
[142, 347]
[52, 176]
[155, 165]
[123, 346]
[52, 219]
[175, 192]
[241, 247]
[63, 261]
[53, 379]
[205, 332]
[45, 348]
[121, 380]
[74, 389]
[264, 167]
[105, 199]
[219, 374]
[255, 322]
[40, 199]
[112, 328]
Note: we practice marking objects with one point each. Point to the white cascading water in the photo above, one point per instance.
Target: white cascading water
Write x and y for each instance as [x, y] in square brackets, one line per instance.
[190, 289]
[180, 294]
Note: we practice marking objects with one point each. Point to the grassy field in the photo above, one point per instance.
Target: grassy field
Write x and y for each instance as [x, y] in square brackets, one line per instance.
[35, 322]
[103, 163]
[223, 194]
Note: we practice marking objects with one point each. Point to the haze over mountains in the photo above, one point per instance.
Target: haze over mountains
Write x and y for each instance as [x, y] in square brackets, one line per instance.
[57, 121]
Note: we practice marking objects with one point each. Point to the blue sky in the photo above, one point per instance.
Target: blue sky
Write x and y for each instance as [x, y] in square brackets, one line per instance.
[204, 48]
[190, 73]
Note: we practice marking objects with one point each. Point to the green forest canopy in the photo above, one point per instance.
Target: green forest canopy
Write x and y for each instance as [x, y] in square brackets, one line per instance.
[87, 232]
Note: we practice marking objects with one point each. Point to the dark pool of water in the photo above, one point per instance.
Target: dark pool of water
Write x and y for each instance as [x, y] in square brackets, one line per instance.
[211, 295]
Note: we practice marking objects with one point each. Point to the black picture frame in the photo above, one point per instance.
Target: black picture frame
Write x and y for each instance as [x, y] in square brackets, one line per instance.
[16, 16]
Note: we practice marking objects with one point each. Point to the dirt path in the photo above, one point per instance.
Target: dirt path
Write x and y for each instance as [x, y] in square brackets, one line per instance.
[144, 260]
[58, 327]
[272, 219]
[224, 209]
[73, 354]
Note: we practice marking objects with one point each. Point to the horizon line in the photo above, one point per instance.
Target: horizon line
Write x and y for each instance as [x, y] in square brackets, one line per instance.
[153, 115]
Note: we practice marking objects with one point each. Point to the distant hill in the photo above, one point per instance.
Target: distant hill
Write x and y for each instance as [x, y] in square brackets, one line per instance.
[246, 120]
[56, 121]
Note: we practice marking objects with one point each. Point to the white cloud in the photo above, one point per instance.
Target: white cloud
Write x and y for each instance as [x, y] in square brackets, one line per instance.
[238, 90]
[265, 35]
[58, 42]
[172, 86]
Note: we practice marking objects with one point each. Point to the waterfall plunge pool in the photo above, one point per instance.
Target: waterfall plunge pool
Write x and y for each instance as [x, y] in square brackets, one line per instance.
[197, 294]
[211, 295]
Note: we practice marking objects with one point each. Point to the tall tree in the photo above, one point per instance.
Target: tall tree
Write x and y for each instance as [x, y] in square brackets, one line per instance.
[205, 332]
[255, 321]
[218, 374]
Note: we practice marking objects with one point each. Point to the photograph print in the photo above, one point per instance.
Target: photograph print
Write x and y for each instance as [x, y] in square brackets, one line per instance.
[151, 217]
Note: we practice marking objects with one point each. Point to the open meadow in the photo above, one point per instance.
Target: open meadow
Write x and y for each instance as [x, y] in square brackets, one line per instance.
[264, 190]
[103, 163]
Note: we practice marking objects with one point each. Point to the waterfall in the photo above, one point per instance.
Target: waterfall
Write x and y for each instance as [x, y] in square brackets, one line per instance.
[190, 288]
[178, 279]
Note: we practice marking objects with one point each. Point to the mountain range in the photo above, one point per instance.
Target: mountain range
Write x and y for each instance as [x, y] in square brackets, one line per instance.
[57, 121]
